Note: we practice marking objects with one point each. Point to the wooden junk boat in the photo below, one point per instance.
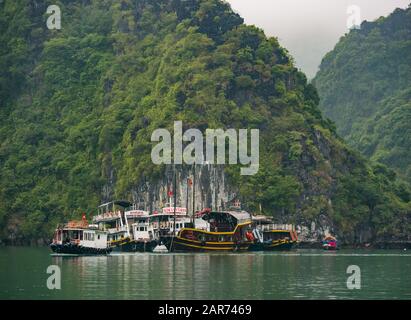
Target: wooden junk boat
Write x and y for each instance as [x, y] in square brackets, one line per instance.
[272, 237]
[78, 237]
[219, 231]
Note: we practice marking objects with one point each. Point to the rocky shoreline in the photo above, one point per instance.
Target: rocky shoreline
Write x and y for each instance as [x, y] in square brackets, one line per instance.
[393, 245]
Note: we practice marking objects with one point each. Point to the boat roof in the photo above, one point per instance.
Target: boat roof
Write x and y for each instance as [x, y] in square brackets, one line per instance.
[65, 228]
[121, 203]
[240, 216]
[262, 219]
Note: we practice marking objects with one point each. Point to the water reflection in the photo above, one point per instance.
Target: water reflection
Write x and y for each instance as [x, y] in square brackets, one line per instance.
[293, 275]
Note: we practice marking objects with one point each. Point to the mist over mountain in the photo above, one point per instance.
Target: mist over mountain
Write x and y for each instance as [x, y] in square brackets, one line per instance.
[78, 107]
[365, 87]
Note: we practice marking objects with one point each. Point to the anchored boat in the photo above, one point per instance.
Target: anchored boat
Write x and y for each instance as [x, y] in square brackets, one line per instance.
[111, 218]
[78, 237]
[219, 231]
[166, 224]
[330, 243]
[270, 237]
[142, 232]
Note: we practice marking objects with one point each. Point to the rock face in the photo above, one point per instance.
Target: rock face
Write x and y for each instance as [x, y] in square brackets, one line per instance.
[79, 106]
[209, 181]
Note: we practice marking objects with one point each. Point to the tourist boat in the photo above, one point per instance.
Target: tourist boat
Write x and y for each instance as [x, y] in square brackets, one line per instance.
[111, 218]
[218, 231]
[267, 236]
[330, 243]
[80, 238]
[142, 232]
[163, 223]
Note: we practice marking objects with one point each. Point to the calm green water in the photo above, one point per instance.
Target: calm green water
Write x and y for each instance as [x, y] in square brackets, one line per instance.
[302, 274]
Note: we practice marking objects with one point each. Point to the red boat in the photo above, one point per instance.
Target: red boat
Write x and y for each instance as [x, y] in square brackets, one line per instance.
[330, 243]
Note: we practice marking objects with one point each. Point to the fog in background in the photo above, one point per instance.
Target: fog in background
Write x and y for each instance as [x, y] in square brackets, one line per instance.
[309, 28]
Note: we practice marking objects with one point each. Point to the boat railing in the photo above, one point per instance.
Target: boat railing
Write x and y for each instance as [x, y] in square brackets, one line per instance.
[269, 227]
[141, 224]
[118, 229]
[107, 216]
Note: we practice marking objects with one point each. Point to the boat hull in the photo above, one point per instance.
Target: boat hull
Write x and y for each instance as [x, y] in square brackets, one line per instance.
[185, 245]
[70, 248]
[330, 248]
[136, 246]
[278, 246]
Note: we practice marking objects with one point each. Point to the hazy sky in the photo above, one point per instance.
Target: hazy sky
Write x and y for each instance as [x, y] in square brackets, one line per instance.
[309, 28]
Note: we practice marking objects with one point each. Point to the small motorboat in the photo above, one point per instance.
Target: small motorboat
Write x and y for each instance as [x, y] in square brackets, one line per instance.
[161, 248]
[330, 243]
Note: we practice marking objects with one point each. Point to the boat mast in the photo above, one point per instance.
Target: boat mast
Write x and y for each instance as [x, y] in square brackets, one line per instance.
[194, 194]
[187, 188]
[175, 199]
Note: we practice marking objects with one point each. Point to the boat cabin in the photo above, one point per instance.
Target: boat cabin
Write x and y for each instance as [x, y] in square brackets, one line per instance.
[226, 221]
[141, 228]
[89, 238]
[223, 231]
[111, 218]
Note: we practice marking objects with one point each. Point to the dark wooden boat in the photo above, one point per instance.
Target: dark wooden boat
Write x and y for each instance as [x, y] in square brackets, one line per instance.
[222, 231]
[269, 236]
[272, 240]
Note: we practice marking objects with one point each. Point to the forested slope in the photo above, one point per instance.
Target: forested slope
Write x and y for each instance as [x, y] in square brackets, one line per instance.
[78, 106]
[364, 85]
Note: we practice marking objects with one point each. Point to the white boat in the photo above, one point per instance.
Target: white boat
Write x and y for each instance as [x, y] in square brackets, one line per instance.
[142, 231]
[79, 238]
[111, 218]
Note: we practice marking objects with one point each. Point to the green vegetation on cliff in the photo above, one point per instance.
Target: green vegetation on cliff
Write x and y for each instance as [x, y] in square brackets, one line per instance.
[78, 107]
[364, 85]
